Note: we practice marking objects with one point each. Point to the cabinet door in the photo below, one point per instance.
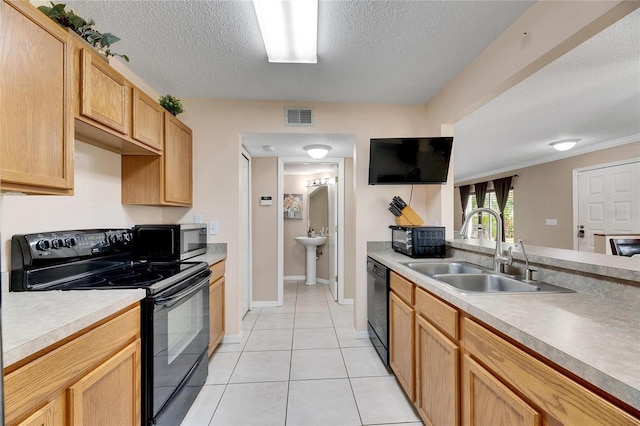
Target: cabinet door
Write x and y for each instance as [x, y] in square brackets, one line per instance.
[104, 93]
[110, 394]
[437, 377]
[216, 314]
[50, 415]
[147, 120]
[488, 402]
[178, 160]
[36, 135]
[401, 342]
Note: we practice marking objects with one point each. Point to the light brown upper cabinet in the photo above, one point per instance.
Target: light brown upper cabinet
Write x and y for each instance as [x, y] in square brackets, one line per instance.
[165, 180]
[110, 112]
[104, 93]
[147, 119]
[36, 136]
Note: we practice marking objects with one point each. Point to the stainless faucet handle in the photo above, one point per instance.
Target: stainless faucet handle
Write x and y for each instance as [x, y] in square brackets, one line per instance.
[528, 274]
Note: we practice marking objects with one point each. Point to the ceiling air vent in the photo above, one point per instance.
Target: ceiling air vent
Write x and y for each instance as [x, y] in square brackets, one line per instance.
[298, 116]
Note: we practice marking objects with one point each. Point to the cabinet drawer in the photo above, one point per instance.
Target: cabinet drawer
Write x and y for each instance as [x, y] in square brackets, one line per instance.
[562, 399]
[402, 287]
[439, 313]
[33, 384]
[217, 271]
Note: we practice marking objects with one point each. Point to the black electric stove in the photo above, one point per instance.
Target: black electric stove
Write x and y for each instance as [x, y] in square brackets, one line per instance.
[174, 314]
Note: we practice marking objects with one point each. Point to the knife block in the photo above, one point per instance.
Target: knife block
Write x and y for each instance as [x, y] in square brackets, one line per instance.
[409, 218]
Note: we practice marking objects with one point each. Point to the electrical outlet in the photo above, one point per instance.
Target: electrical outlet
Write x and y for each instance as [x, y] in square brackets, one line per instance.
[197, 218]
[213, 228]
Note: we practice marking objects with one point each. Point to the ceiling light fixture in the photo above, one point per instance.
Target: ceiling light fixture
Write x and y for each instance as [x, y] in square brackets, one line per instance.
[317, 151]
[268, 148]
[289, 30]
[565, 144]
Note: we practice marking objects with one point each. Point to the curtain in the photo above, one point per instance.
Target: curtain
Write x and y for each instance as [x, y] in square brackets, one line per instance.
[502, 187]
[481, 191]
[465, 190]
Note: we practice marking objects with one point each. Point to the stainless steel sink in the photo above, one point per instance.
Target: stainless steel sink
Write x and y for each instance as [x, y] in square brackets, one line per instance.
[493, 283]
[485, 283]
[434, 268]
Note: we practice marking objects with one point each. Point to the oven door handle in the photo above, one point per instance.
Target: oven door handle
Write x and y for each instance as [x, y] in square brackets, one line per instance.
[166, 302]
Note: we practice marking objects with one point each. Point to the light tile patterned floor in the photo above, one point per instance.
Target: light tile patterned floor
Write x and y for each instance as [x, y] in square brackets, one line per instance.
[300, 364]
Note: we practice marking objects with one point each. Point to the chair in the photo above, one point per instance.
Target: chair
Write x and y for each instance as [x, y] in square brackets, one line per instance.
[625, 246]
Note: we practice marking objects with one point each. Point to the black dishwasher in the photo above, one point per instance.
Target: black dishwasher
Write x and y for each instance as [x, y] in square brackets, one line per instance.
[378, 307]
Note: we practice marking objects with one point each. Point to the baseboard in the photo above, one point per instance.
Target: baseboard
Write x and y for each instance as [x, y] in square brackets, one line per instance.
[346, 302]
[295, 278]
[233, 338]
[361, 334]
[264, 304]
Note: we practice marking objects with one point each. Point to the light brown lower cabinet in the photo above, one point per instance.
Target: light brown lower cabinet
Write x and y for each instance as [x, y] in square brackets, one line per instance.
[216, 305]
[437, 376]
[92, 379]
[401, 342]
[515, 388]
[458, 371]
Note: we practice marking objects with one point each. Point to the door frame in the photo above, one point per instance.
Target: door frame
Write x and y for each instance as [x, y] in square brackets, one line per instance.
[249, 267]
[576, 195]
[339, 232]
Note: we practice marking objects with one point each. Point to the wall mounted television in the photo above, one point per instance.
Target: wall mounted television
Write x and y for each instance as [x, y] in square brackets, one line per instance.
[409, 161]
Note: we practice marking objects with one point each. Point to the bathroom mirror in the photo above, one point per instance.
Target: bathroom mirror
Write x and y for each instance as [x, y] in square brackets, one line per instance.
[318, 211]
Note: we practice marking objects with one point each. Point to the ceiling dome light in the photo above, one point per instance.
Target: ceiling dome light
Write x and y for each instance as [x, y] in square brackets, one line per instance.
[317, 151]
[565, 144]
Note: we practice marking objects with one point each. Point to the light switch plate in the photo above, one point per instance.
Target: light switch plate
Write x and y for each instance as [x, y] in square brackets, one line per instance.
[551, 222]
[213, 228]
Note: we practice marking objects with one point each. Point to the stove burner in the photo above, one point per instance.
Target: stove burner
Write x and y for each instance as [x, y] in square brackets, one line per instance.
[137, 279]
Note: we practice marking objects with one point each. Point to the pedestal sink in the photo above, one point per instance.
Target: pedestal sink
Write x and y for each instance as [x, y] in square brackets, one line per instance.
[310, 243]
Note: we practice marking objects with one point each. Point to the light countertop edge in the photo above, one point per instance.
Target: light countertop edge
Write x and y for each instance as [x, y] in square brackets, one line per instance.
[32, 321]
[215, 253]
[594, 338]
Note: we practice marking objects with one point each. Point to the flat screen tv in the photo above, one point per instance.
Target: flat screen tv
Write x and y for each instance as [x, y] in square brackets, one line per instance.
[409, 161]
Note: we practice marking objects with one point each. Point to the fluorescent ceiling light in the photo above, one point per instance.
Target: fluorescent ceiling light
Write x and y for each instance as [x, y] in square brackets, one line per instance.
[565, 144]
[317, 151]
[289, 29]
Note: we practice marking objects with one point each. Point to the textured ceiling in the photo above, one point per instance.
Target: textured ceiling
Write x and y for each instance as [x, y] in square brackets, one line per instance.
[368, 51]
[591, 93]
[387, 52]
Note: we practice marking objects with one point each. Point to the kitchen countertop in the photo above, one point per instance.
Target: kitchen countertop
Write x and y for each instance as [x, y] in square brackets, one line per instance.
[215, 253]
[595, 338]
[33, 320]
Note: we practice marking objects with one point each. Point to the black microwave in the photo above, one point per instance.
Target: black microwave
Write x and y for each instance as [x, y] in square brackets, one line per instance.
[418, 241]
[170, 242]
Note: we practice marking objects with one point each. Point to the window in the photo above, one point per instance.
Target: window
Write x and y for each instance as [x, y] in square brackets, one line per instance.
[488, 222]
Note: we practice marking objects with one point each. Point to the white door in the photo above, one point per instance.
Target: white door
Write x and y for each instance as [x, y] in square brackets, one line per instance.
[333, 242]
[608, 202]
[245, 230]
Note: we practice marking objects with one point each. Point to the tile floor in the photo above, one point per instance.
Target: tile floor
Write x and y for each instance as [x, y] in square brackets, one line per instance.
[299, 364]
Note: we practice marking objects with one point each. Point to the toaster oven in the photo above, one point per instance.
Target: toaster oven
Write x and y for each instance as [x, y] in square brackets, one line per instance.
[418, 241]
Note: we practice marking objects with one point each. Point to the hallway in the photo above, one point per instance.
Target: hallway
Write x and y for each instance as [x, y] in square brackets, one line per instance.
[299, 364]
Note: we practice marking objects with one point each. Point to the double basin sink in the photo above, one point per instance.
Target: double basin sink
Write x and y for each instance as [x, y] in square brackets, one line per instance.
[469, 278]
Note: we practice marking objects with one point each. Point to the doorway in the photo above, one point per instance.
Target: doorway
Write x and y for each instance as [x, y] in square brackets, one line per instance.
[245, 230]
[606, 201]
[335, 224]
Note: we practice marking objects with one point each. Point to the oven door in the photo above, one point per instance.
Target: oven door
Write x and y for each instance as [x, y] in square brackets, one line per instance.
[180, 330]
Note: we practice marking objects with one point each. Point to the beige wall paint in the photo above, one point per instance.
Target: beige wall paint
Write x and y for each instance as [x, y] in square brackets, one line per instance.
[545, 191]
[318, 209]
[218, 126]
[264, 229]
[294, 253]
[96, 203]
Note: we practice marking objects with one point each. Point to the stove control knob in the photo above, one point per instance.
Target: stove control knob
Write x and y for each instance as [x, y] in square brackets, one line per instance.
[70, 242]
[42, 245]
[113, 239]
[127, 236]
[56, 243]
[120, 238]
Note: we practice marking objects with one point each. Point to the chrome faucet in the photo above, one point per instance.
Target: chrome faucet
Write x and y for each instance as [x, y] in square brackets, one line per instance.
[498, 258]
[528, 272]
